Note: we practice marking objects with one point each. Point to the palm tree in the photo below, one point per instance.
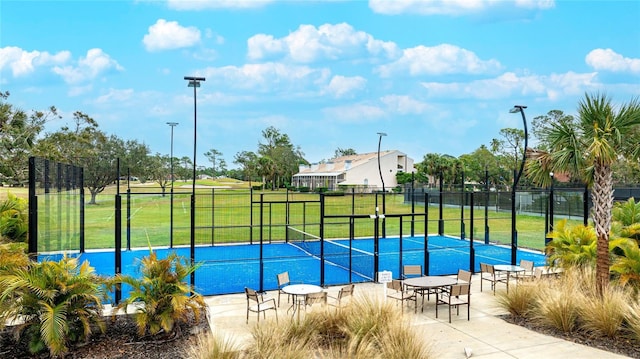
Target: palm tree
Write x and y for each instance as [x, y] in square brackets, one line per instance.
[586, 149]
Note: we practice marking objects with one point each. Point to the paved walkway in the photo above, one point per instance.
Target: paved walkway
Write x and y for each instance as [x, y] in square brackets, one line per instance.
[485, 334]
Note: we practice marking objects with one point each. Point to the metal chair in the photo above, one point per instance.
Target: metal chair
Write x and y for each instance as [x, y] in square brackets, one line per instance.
[455, 296]
[345, 292]
[258, 303]
[401, 294]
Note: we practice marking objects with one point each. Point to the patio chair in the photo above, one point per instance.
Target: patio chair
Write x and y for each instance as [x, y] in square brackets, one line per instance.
[415, 270]
[399, 292]
[316, 298]
[456, 296]
[488, 274]
[411, 270]
[528, 270]
[344, 293]
[283, 280]
[464, 276]
[258, 303]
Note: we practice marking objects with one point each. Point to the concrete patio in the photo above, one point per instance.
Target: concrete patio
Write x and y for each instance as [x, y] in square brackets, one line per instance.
[485, 334]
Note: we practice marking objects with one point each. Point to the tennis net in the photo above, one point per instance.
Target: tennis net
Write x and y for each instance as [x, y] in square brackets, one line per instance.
[352, 259]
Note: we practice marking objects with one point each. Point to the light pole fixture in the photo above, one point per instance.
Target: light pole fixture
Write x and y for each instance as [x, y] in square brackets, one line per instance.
[195, 83]
[172, 124]
[516, 179]
[384, 231]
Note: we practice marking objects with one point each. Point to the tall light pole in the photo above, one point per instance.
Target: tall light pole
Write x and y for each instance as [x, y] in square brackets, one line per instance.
[516, 179]
[172, 124]
[195, 83]
[384, 231]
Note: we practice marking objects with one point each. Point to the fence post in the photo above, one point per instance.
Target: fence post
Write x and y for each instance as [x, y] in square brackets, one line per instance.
[441, 219]
[426, 233]
[472, 251]
[33, 210]
[261, 264]
[322, 210]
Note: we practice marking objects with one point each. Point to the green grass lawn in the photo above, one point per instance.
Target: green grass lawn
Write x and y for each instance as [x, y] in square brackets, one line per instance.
[228, 216]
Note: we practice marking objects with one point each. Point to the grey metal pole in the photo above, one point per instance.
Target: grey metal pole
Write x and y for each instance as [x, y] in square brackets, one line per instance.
[172, 124]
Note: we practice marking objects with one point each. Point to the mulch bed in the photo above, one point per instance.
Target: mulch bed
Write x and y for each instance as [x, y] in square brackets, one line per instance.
[119, 341]
[619, 345]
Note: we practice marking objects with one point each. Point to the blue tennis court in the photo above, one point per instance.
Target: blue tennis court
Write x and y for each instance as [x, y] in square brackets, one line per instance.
[229, 268]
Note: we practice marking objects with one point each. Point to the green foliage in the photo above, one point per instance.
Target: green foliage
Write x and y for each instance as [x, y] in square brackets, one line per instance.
[161, 289]
[572, 245]
[12, 256]
[14, 219]
[56, 303]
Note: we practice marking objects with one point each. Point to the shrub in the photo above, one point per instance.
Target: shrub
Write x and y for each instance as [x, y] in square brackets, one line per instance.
[521, 301]
[57, 303]
[604, 315]
[334, 193]
[165, 296]
[303, 189]
[14, 218]
[210, 346]
[367, 328]
[320, 189]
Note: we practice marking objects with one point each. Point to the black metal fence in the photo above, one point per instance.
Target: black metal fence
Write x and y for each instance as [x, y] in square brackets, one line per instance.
[56, 206]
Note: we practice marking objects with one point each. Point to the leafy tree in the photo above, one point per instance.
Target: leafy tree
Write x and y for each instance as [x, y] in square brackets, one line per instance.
[344, 152]
[18, 134]
[511, 145]
[541, 123]
[215, 157]
[86, 146]
[159, 170]
[248, 162]
[587, 150]
[481, 162]
[434, 164]
[279, 158]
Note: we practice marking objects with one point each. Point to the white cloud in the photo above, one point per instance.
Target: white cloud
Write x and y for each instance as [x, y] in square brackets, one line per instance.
[358, 113]
[341, 86]
[438, 60]
[508, 84]
[404, 104]
[269, 77]
[216, 4]
[169, 35]
[115, 96]
[327, 42]
[450, 7]
[609, 60]
[23, 62]
[89, 67]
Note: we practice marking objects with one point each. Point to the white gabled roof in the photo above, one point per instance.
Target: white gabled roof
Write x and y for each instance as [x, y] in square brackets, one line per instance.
[339, 165]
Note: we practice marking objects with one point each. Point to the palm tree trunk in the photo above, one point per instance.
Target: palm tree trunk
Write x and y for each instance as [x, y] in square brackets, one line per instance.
[602, 196]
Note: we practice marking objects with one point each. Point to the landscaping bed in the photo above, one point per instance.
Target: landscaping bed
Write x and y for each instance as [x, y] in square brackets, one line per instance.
[120, 340]
[619, 345]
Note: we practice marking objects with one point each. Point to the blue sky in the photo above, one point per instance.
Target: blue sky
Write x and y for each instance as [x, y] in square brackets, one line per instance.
[436, 76]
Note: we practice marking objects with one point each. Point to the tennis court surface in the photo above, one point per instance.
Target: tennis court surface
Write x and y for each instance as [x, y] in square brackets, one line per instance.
[228, 269]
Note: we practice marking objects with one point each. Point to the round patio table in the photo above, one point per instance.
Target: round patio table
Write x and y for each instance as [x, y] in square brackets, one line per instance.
[429, 283]
[508, 268]
[299, 293]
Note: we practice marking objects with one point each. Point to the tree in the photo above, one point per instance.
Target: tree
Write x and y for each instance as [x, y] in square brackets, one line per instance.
[249, 163]
[540, 123]
[279, 159]
[587, 150]
[344, 152]
[18, 133]
[434, 164]
[481, 162]
[160, 170]
[86, 146]
[511, 146]
[215, 157]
